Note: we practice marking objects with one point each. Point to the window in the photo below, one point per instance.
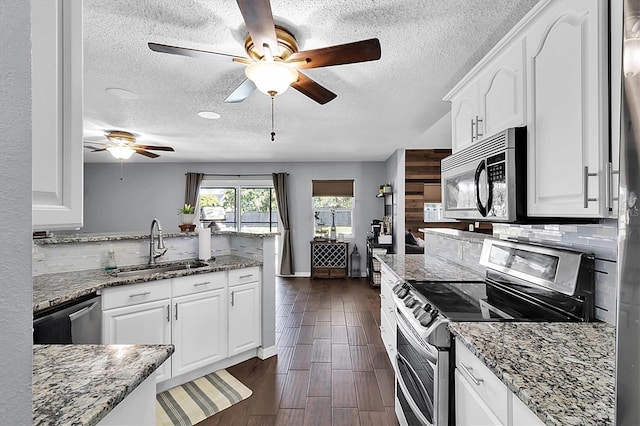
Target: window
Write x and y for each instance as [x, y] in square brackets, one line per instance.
[246, 207]
[333, 201]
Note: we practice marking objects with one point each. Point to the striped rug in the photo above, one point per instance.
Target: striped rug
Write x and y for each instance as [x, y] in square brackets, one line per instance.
[193, 402]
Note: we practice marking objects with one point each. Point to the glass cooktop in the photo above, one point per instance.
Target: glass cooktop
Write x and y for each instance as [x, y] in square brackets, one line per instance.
[486, 301]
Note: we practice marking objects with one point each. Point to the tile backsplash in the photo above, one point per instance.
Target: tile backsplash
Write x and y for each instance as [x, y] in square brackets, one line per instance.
[55, 258]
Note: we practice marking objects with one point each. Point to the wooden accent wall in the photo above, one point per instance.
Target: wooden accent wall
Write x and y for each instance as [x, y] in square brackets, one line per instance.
[422, 184]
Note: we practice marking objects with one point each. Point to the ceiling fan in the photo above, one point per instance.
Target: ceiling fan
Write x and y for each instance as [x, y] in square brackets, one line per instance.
[122, 145]
[274, 62]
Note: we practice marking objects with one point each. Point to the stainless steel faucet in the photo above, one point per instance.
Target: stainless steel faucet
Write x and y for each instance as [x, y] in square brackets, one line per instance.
[154, 252]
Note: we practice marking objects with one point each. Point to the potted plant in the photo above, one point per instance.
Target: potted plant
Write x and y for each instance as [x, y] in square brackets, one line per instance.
[188, 213]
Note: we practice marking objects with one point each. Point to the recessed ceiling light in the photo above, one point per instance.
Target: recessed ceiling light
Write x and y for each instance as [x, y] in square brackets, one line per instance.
[209, 115]
[121, 93]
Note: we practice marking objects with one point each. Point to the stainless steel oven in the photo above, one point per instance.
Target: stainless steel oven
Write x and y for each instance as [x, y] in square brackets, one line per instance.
[522, 282]
[487, 180]
[420, 370]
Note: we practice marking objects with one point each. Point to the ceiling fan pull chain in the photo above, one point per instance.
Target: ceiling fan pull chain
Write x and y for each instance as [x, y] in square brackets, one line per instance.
[273, 133]
[121, 166]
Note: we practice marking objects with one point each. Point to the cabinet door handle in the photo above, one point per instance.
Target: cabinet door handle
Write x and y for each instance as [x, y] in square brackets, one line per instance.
[609, 185]
[176, 311]
[139, 294]
[473, 137]
[246, 276]
[468, 371]
[478, 121]
[232, 298]
[168, 313]
[200, 284]
[585, 186]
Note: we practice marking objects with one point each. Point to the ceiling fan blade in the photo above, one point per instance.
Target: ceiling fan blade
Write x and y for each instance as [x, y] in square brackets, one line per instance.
[349, 53]
[259, 21]
[241, 92]
[154, 148]
[195, 53]
[146, 153]
[95, 149]
[315, 91]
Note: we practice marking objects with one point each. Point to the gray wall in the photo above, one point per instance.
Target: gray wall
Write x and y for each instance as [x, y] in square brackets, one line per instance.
[15, 205]
[157, 190]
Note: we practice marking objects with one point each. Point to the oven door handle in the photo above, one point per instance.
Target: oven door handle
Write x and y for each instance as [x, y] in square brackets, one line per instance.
[483, 209]
[405, 390]
[417, 345]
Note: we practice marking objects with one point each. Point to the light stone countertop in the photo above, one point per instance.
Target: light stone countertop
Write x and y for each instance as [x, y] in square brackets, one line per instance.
[421, 267]
[67, 238]
[564, 372]
[81, 384]
[54, 289]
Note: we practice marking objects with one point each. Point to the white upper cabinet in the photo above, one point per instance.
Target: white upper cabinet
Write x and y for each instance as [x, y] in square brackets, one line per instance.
[550, 73]
[490, 98]
[567, 110]
[464, 111]
[57, 158]
[501, 89]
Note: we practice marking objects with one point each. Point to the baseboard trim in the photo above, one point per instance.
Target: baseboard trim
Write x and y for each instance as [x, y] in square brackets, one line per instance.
[264, 353]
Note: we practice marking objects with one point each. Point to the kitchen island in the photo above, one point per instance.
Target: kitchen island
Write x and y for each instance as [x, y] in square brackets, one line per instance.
[82, 384]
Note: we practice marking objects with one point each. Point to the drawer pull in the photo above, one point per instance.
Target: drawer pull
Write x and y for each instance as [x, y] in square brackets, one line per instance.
[146, 293]
[168, 313]
[176, 311]
[201, 284]
[246, 276]
[232, 298]
[468, 371]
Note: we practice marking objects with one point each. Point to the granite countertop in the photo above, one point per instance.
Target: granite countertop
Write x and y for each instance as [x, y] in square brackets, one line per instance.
[564, 372]
[63, 238]
[53, 289]
[422, 267]
[80, 384]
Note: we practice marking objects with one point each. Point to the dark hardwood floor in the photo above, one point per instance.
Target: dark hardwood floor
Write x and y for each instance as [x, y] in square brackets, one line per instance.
[331, 367]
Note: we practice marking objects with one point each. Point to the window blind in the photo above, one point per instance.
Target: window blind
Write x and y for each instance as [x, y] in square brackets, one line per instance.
[332, 188]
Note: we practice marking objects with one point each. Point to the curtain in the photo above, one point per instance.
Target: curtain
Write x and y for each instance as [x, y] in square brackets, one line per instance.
[282, 197]
[192, 188]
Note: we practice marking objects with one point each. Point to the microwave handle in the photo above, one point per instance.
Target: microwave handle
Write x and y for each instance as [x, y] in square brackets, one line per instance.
[476, 183]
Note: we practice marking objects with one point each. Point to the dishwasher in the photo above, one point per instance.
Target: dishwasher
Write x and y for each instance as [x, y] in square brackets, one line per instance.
[79, 321]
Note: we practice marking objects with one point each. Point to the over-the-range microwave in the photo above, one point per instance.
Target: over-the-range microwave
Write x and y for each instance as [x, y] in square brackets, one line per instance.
[487, 180]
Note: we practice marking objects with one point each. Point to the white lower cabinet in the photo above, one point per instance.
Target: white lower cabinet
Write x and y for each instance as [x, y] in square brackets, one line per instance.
[204, 316]
[244, 317]
[388, 279]
[126, 321]
[483, 399]
[199, 330]
[470, 408]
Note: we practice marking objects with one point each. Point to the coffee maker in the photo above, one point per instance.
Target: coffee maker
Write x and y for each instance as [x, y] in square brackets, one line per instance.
[376, 228]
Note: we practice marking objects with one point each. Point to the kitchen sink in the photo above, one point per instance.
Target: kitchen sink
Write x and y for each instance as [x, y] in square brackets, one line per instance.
[132, 271]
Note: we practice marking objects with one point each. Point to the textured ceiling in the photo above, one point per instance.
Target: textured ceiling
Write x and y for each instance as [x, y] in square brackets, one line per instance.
[427, 46]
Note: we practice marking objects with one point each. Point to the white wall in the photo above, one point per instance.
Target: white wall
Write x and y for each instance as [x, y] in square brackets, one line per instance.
[15, 195]
[157, 190]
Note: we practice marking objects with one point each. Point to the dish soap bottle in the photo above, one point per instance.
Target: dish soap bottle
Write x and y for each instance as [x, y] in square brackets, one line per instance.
[111, 261]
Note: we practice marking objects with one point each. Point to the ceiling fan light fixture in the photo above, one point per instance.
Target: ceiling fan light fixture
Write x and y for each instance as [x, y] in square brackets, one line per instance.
[271, 78]
[121, 152]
